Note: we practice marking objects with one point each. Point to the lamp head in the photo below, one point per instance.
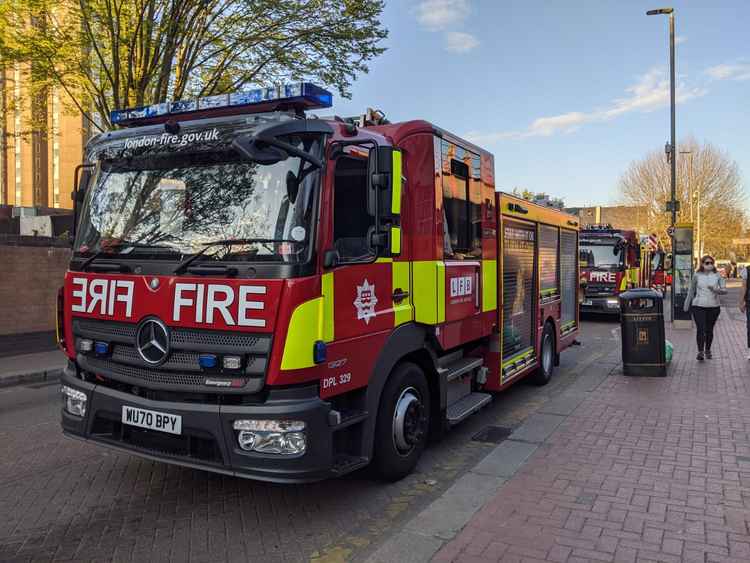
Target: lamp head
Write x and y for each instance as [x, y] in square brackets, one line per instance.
[659, 11]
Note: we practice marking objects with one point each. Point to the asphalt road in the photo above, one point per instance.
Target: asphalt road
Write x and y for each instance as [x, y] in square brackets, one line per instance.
[61, 499]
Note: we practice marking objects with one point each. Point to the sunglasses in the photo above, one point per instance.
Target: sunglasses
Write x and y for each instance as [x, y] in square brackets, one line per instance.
[708, 263]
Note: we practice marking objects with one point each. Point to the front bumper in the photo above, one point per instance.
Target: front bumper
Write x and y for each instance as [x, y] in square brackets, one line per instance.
[208, 440]
[608, 305]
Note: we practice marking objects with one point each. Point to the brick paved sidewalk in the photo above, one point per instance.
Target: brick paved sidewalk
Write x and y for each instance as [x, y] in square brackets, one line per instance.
[645, 469]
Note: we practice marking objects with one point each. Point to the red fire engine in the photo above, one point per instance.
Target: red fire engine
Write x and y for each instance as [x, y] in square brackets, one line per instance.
[288, 298]
[610, 264]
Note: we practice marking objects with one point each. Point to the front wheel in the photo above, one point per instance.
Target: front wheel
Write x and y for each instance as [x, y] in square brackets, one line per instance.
[402, 424]
[547, 360]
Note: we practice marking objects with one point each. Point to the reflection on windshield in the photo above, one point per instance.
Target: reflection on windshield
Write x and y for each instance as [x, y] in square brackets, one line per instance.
[600, 256]
[181, 201]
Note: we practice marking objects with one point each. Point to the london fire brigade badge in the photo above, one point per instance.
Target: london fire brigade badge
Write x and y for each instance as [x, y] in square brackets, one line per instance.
[366, 301]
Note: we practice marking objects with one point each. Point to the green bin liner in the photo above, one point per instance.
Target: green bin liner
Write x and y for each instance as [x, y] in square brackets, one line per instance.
[668, 350]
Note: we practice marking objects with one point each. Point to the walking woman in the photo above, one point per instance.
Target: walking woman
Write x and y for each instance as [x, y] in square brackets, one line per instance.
[703, 302]
[745, 302]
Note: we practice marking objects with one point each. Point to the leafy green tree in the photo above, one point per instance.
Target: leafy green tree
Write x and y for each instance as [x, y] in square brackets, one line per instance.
[109, 54]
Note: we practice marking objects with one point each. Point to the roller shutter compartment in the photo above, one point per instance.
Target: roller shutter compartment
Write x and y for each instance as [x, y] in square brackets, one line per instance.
[548, 271]
[519, 306]
[569, 277]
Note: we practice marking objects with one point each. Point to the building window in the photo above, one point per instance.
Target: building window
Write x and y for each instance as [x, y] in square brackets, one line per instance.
[17, 125]
[55, 148]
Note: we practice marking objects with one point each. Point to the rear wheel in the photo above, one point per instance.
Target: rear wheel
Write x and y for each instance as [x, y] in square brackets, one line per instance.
[403, 422]
[547, 357]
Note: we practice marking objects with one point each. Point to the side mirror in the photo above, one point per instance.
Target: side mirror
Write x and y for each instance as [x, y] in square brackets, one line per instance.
[260, 152]
[82, 177]
[79, 195]
[331, 258]
[381, 182]
[384, 198]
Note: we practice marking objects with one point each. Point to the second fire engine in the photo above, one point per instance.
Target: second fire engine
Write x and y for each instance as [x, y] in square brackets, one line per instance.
[610, 264]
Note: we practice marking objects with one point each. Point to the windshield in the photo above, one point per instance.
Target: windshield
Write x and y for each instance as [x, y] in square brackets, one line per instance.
[178, 202]
[600, 256]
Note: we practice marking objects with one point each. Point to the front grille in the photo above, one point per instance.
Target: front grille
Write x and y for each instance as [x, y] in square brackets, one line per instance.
[596, 289]
[181, 338]
[178, 360]
[119, 332]
[248, 342]
[149, 375]
[190, 445]
[181, 369]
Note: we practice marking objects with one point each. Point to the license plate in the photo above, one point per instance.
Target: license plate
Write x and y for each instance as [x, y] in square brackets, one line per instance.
[587, 303]
[152, 420]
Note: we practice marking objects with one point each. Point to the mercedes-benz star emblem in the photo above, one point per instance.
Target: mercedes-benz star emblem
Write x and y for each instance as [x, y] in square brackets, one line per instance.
[152, 341]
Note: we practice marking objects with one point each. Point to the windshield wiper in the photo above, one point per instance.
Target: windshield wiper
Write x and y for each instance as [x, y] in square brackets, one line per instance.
[182, 266]
[106, 252]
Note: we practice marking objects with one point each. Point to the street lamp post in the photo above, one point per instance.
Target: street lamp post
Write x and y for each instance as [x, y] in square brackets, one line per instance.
[672, 205]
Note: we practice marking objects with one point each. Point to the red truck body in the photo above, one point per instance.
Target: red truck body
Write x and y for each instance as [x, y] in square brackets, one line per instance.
[391, 305]
[610, 264]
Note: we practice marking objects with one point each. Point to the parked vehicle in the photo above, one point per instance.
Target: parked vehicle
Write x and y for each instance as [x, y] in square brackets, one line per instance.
[288, 298]
[610, 264]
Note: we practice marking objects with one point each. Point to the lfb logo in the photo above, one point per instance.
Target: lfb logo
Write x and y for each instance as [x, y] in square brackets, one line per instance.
[606, 277]
[365, 301]
[461, 286]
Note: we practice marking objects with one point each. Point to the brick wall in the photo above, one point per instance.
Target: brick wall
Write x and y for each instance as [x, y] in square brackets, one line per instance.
[29, 279]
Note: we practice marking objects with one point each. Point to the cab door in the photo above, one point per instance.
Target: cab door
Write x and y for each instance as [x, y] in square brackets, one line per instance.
[462, 232]
[362, 282]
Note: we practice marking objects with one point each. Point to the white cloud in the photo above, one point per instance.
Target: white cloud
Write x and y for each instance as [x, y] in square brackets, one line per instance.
[649, 93]
[566, 122]
[680, 39]
[436, 15]
[730, 71]
[460, 42]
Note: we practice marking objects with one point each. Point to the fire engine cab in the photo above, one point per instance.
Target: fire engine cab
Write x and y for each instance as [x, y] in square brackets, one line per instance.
[610, 264]
[277, 296]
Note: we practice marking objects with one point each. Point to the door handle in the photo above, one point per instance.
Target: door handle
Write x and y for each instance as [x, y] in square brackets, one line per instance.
[399, 295]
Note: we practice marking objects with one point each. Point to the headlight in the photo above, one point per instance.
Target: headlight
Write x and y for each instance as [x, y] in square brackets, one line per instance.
[613, 303]
[74, 400]
[285, 437]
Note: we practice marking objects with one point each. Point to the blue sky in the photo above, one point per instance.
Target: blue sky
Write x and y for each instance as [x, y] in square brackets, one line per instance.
[564, 93]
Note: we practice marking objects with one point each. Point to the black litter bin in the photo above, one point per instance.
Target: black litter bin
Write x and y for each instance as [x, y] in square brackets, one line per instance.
[642, 332]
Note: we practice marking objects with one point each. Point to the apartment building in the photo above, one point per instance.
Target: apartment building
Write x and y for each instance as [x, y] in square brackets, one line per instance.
[41, 142]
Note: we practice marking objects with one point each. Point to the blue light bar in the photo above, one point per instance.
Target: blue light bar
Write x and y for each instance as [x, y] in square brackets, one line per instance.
[298, 95]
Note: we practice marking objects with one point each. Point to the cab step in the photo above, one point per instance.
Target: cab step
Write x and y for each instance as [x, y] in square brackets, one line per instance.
[343, 463]
[459, 367]
[470, 404]
[339, 420]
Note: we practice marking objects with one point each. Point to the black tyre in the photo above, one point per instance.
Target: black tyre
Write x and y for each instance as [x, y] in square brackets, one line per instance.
[547, 357]
[403, 423]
